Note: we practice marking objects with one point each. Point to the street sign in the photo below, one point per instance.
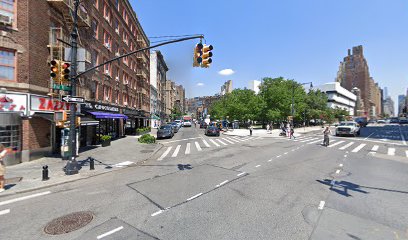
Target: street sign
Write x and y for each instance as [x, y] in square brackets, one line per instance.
[73, 99]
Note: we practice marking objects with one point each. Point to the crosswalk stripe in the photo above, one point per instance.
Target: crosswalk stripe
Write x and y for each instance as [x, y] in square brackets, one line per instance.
[187, 149]
[391, 151]
[216, 144]
[225, 139]
[206, 143]
[346, 146]
[359, 147]
[337, 143]
[244, 139]
[164, 154]
[406, 153]
[375, 148]
[223, 143]
[307, 140]
[319, 140]
[176, 151]
[198, 146]
[232, 139]
[238, 139]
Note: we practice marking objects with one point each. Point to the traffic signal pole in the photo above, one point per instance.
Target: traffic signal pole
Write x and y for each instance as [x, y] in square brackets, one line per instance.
[72, 165]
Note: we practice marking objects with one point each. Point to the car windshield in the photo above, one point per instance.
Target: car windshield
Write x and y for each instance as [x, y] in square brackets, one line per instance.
[166, 127]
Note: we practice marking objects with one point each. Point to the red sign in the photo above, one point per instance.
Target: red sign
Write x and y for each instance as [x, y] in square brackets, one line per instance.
[13, 103]
[47, 104]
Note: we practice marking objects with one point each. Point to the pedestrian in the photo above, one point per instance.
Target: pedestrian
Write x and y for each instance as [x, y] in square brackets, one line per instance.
[292, 131]
[326, 139]
[250, 130]
[267, 128]
[3, 152]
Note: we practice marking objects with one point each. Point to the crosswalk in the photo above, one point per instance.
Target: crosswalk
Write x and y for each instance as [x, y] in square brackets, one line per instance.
[197, 145]
[354, 146]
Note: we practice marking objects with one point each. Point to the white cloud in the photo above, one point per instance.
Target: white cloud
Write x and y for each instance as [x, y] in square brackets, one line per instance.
[200, 84]
[226, 72]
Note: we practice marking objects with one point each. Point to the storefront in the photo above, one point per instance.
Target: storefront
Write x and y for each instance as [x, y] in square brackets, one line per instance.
[136, 119]
[110, 121]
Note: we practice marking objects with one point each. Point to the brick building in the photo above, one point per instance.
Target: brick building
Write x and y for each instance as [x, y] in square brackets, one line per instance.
[117, 95]
[158, 73]
[354, 73]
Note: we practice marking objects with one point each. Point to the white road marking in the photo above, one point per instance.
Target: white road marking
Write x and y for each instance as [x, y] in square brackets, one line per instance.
[257, 165]
[232, 139]
[240, 174]
[176, 151]
[306, 140]
[402, 137]
[406, 153]
[359, 147]
[110, 232]
[181, 140]
[391, 151]
[219, 185]
[346, 146]
[375, 148]
[321, 205]
[337, 143]
[206, 143]
[157, 213]
[122, 164]
[341, 165]
[278, 156]
[315, 141]
[187, 149]
[270, 160]
[223, 143]
[195, 196]
[286, 153]
[216, 144]
[245, 139]
[228, 141]
[2, 212]
[337, 171]
[237, 138]
[345, 155]
[369, 135]
[24, 198]
[164, 154]
[198, 146]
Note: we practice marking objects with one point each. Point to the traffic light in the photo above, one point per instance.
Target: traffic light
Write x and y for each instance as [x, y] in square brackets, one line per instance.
[197, 55]
[55, 71]
[206, 57]
[65, 72]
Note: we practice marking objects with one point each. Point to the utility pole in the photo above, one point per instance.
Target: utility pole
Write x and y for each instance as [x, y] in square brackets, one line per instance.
[72, 165]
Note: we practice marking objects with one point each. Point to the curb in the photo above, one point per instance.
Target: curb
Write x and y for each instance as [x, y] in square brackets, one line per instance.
[82, 178]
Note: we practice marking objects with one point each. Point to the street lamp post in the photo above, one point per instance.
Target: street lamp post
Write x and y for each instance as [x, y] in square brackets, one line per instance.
[293, 96]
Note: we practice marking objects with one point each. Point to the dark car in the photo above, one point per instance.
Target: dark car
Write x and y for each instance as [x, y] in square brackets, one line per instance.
[203, 125]
[165, 131]
[212, 131]
[403, 121]
[175, 126]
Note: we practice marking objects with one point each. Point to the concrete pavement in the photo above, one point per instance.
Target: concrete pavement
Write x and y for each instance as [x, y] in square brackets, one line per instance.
[273, 133]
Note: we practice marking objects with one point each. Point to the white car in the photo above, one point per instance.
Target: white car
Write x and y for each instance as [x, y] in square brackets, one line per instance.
[187, 123]
[348, 128]
[179, 123]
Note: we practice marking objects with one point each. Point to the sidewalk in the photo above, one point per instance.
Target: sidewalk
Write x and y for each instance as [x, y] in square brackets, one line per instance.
[123, 152]
[275, 132]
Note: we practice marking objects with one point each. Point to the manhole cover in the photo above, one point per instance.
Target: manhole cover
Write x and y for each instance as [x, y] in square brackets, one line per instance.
[146, 151]
[68, 223]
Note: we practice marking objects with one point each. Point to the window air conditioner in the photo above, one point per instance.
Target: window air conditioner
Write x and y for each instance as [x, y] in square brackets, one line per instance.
[126, 83]
[107, 72]
[125, 103]
[117, 79]
[117, 54]
[107, 45]
[106, 98]
[5, 20]
[117, 30]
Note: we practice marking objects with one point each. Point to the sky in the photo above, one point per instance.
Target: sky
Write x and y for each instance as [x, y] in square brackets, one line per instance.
[295, 39]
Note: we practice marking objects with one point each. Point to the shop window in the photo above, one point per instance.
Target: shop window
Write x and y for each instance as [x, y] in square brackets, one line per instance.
[10, 136]
[7, 64]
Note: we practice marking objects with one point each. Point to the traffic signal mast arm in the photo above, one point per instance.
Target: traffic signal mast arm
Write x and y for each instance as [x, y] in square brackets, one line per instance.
[136, 51]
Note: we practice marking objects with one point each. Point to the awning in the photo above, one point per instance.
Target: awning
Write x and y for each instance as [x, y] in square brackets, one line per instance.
[88, 122]
[47, 116]
[108, 115]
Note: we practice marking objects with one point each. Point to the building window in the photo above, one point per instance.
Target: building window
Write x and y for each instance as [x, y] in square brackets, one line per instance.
[125, 16]
[107, 40]
[94, 57]
[95, 28]
[117, 4]
[116, 25]
[106, 13]
[107, 68]
[7, 65]
[96, 3]
[7, 9]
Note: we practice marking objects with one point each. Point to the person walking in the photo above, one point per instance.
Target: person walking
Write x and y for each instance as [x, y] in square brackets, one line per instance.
[3, 152]
[326, 134]
[250, 130]
[267, 128]
[292, 131]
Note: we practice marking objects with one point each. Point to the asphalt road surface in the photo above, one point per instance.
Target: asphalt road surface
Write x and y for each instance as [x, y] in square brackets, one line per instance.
[244, 188]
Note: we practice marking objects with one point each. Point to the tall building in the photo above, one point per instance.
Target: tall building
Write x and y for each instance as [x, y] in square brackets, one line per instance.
[385, 93]
[354, 72]
[158, 72]
[180, 98]
[226, 87]
[116, 95]
[254, 85]
[401, 103]
[339, 97]
[389, 107]
[169, 97]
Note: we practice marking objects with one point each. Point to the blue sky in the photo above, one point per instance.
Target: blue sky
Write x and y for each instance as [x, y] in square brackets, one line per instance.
[302, 40]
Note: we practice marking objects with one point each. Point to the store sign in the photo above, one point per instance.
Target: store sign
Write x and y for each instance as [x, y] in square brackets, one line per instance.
[100, 107]
[13, 103]
[47, 104]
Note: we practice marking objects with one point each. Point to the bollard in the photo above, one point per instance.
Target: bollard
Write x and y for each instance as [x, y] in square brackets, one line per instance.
[45, 173]
[91, 163]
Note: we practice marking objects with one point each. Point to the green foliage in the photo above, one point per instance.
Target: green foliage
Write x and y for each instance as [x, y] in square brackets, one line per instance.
[142, 130]
[106, 138]
[147, 138]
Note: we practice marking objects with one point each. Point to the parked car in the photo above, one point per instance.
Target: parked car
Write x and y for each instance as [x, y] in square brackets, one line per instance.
[175, 126]
[165, 131]
[403, 121]
[212, 131]
[394, 120]
[348, 128]
[179, 123]
[380, 121]
[203, 124]
[187, 123]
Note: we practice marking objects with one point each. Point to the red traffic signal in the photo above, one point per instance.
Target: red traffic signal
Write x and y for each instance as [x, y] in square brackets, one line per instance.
[54, 69]
[65, 71]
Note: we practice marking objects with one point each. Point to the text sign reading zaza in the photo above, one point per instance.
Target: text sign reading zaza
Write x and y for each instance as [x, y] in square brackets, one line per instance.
[47, 104]
[13, 103]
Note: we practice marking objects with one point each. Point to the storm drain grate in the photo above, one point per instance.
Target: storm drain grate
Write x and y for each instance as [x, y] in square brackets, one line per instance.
[68, 223]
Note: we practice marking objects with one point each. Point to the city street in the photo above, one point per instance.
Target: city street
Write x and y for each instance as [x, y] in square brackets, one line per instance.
[247, 188]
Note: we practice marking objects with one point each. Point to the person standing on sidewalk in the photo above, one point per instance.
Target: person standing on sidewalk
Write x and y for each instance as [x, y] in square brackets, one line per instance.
[267, 128]
[292, 131]
[3, 152]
